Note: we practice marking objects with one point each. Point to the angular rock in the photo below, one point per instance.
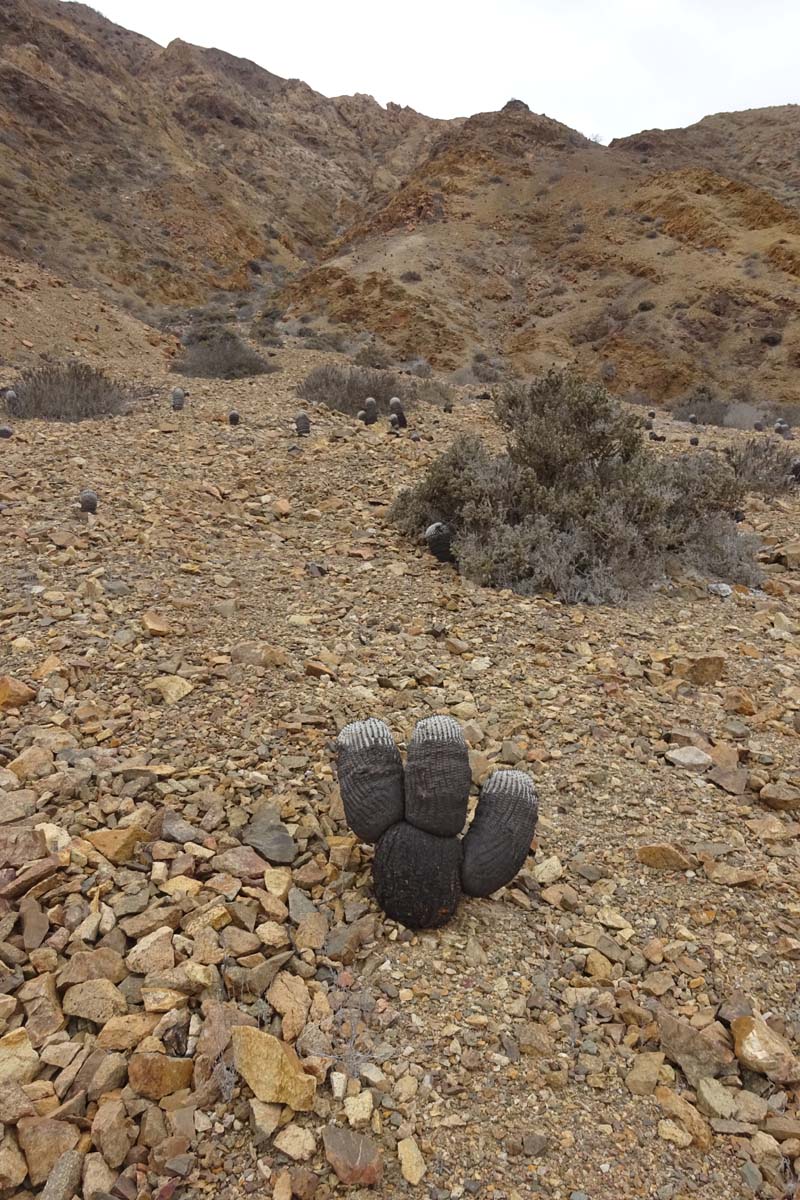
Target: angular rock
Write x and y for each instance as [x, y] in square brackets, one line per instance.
[113, 1133]
[98, 1000]
[354, 1157]
[65, 1178]
[21, 846]
[14, 693]
[679, 1108]
[242, 862]
[19, 1062]
[697, 1055]
[289, 996]
[157, 1075]
[173, 688]
[153, 952]
[780, 796]
[13, 1167]
[271, 1069]
[642, 1079]
[98, 1178]
[296, 1143]
[761, 1049]
[689, 757]
[269, 836]
[412, 1164]
[43, 1141]
[43, 1015]
[117, 845]
[14, 1104]
[663, 856]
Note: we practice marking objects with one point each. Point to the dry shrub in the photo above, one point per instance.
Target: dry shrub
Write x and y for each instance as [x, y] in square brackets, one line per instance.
[221, 355]
[762, 465]
[346, 388]
[578, 505]
[69, 391]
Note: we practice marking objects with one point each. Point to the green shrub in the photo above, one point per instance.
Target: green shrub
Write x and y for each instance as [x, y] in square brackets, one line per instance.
[578, 505]
[220, 354]
[346, 388]
[68, 391]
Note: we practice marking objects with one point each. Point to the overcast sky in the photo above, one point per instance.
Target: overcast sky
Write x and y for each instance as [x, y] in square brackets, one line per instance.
[608, 67]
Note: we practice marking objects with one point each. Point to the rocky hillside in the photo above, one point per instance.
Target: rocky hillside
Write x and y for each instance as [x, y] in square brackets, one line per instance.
[517, 238]
[171, 177]
[164, 174]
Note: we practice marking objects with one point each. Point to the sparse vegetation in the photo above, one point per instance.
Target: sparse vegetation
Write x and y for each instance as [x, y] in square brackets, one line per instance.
[410, 277]
[67, 391]
[221, 354]
[578, 505]
[762, 465]
[346, 388]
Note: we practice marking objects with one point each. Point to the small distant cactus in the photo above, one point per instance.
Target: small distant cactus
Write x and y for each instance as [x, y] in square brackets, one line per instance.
[398, 416]
[694, 441]
[88, 501]
[6, 431]
[302, 424]
[233, 417]
[758, 426]
[692, 418]
[361, 416]
[177, 399]
[370, 411]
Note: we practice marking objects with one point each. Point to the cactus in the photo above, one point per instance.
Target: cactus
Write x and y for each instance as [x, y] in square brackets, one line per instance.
[233, 417]
[6, 431]
[421, 866]
[177, 399]
[370, 411]
[302, 424]
[88, 501]
[440, 541]
[397, 413]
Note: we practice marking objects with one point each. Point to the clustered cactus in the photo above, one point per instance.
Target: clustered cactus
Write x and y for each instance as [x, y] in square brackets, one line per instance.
[414, 817]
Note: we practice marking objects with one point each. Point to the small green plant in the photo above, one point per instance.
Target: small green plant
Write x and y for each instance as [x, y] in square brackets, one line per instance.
[68, 391]
[578, 505]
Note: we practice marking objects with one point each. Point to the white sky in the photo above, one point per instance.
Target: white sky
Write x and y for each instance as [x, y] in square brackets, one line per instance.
[611, 67]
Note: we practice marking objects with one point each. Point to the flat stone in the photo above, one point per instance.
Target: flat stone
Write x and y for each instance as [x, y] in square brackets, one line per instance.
[663, 856]
[412, 1164]
[272, 1070]
[43, 1015]
[264, 1119]
[354, 1157]
[153, 952]
[85, 965]
[681, 1110]
[14, 1104]
[125, 1033]
[157, 1075]
[715, 1100]
[173, 688]
[242, 862]
[155, 624]
[689, 757]
[269, 836]
[98, 1000]
[43, 1141]
[98, 1178]
[117, 845]
[21, 846]
[296, 1143]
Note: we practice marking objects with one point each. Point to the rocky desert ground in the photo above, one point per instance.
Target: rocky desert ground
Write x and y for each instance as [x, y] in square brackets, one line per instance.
[199, 995]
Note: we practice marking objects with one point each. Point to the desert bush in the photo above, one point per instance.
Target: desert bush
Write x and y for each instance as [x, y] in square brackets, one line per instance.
[577, 504]
[67, 391]
[346, 388]
[709, 408]
[410, 277]
[762, 465]
[221, 354]
[433, 391]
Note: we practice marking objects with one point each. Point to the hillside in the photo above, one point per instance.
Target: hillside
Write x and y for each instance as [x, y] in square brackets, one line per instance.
[164, 174]
[531, 244]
